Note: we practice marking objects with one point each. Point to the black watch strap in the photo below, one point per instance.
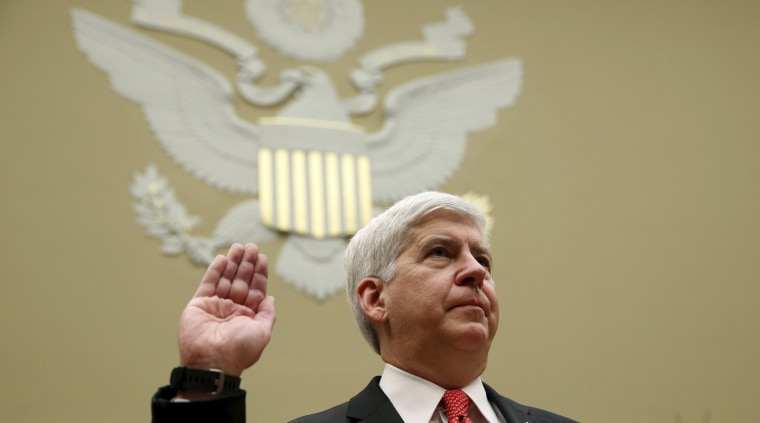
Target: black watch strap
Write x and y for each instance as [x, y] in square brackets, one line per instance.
[202, 380]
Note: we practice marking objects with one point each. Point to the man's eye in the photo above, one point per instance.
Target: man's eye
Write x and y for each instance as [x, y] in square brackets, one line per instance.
[438, 251]
[485, 262]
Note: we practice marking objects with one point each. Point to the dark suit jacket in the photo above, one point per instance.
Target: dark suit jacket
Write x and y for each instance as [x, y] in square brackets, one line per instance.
[372, 406]
[368, 406]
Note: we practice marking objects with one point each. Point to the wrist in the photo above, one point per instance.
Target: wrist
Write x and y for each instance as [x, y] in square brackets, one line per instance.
[207, 361]
[196, 384]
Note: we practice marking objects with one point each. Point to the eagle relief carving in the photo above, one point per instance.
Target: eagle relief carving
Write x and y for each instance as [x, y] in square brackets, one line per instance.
[310, 173]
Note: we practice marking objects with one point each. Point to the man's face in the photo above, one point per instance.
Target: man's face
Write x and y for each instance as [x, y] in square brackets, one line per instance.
[442, 296]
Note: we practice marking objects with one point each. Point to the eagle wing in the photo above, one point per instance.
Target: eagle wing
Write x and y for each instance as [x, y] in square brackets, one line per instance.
[187, 104]
[427, 122]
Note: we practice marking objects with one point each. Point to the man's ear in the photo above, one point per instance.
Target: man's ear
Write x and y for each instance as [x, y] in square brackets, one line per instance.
[369, 291]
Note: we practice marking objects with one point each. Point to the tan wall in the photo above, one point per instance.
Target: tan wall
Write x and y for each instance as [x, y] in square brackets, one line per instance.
[625, 191]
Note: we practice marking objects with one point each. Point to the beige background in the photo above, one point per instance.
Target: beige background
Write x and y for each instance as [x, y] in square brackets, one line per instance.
[625, 191]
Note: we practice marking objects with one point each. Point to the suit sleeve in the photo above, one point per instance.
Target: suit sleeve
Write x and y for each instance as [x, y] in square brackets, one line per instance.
[225, 409]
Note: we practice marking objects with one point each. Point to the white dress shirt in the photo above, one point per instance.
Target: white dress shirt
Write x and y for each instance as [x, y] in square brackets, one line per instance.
[418, 400]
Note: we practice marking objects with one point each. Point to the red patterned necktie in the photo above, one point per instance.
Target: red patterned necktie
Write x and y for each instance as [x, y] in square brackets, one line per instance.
[457, 406]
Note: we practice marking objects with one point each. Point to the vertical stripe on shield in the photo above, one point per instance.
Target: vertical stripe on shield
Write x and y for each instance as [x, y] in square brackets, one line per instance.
[332, 186]
[363, 175]
[317, 194]
[282, 189]
[265, 187]
[300, 193]
[349, 192]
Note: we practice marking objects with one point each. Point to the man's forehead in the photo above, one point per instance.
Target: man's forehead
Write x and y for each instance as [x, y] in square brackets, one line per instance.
[441, 224]
[445, 214]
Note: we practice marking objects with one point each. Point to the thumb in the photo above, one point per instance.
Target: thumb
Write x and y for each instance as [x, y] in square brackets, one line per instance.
[266, 313]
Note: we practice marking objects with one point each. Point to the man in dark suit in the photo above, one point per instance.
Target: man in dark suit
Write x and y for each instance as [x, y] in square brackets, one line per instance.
[420, 286]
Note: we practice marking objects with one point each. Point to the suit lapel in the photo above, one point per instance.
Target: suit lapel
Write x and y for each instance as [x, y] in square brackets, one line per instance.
[512, 411]
[372, 406]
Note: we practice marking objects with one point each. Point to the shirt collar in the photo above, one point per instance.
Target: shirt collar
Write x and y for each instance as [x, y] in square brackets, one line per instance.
[419, 408]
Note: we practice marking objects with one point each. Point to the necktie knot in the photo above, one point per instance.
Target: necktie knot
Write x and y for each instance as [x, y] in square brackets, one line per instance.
[457, 406]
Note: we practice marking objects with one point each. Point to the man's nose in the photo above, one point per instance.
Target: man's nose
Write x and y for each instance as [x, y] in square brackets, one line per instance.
[472, 272]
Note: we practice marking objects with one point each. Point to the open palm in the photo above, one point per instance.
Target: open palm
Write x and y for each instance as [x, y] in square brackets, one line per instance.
[228, 322]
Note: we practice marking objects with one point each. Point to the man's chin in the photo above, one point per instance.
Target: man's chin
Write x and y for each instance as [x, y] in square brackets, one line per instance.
[474, 335]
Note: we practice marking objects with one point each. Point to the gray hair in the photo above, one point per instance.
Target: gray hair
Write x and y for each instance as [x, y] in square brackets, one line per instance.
[374, 249]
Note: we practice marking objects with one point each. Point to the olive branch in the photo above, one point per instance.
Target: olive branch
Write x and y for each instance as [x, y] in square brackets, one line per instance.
[164, 217]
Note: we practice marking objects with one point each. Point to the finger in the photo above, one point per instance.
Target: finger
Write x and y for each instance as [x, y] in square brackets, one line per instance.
[260, 274]
[257, 290]
[242, 280]
[223, 288]
[234, 255]
[210, 279]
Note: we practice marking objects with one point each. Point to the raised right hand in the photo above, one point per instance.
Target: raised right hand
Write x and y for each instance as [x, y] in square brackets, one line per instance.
[228, 322]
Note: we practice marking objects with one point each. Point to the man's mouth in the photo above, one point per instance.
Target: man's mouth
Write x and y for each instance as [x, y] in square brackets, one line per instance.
[472, 303]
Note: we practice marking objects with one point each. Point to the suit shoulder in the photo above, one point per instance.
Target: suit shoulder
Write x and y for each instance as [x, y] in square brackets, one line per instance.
[543, 416]
[513, 410]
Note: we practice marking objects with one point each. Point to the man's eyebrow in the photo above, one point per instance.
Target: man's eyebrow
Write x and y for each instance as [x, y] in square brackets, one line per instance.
[448, 242]
[438, 240]
[481, 250]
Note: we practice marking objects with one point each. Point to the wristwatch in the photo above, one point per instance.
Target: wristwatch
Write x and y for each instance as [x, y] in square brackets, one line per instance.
[201, 380]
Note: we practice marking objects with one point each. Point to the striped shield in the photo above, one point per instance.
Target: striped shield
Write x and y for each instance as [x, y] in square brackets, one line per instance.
[314, 177]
